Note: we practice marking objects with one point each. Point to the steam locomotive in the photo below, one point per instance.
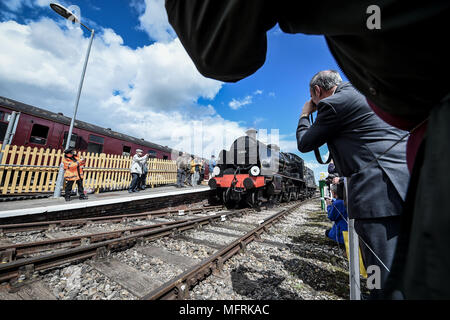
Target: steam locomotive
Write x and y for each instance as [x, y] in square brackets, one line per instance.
[252, 172]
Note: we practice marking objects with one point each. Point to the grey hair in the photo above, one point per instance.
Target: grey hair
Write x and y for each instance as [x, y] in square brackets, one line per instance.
[326, 79]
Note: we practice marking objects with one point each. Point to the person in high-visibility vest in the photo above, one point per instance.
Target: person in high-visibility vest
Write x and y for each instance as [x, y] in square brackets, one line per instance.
[73, 172]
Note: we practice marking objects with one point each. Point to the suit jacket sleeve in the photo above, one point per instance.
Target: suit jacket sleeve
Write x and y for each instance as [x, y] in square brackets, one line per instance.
[225, 39]
[310, 137]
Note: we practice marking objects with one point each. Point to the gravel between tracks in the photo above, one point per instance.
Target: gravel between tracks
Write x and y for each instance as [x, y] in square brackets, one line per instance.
[306, 265]
[303, 265]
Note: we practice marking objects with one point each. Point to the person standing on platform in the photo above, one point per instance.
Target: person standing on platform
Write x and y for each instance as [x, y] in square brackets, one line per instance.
[181, 170]
[136, 170]
[192, 171]
[212, 164]
[73, 172]
[202, 171]
[143, 178]
[187, 169]
[359, 142]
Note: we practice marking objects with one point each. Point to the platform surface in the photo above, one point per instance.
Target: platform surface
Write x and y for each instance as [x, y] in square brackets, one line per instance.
[35, 206]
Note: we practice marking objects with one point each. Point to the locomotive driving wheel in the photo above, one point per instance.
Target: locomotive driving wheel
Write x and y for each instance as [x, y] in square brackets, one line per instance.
[227, 201]
[286, 196]
[256, 200]
[278, 197]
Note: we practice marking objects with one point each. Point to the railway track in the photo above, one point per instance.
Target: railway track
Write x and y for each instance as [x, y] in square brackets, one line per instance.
[179, 287]
[53, 225]
[22, 262]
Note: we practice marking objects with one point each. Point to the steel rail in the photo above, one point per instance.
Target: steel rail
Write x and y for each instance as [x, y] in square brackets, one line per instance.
[179, 287]
[11, 252]
[27, 266]
[51, 225]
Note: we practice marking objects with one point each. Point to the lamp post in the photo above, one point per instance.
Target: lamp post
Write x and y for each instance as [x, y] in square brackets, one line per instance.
[67, 14]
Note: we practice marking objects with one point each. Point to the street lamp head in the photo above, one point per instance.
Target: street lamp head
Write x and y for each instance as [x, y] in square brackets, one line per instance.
[64, 12]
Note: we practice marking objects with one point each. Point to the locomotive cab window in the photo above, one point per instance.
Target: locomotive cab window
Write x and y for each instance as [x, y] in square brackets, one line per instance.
[95, 144]
[73, 140]
[165, 157]
[39, 134]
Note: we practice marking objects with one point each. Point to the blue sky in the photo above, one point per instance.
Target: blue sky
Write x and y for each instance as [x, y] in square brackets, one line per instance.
[271, 98]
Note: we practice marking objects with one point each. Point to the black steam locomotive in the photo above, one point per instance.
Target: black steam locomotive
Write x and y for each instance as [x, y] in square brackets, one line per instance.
[252, 172]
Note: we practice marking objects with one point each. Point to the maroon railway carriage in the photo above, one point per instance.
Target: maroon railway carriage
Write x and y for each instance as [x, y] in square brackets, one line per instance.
[44, 129]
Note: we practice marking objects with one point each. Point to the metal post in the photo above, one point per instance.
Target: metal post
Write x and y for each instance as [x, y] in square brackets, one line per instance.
[59, 180]
[353, 246]
[10, 131]
[13, 132]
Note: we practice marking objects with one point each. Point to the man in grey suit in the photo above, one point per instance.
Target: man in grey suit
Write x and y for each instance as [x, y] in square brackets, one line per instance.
[356, 137]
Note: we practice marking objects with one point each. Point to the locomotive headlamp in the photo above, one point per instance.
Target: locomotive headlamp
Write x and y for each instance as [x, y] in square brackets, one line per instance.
[255, 171]
[216, 171]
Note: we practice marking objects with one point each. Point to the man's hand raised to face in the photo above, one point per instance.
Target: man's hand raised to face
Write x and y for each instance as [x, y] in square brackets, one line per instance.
[308, 108]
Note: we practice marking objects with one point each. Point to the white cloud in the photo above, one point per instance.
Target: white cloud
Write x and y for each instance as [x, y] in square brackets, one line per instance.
[43, 3]
[236, 104]
[257, 92]
[313, 165]
[325, 156]
[288, 145]
[159, 76]
[150, 92]
[154, 20]
[317, 169]
[43, 64]
[16, 5]
[111, 38]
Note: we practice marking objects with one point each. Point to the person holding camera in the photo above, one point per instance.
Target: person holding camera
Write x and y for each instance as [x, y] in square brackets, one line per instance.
[136, 169]
[359, 142]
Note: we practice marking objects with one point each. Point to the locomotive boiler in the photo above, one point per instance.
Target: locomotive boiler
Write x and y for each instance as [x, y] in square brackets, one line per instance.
[251, 172]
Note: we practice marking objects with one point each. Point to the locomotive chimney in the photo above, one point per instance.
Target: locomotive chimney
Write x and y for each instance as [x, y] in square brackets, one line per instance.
[251, 133]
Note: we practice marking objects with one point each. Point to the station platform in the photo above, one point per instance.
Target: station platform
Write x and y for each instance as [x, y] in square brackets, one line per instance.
[110, 203]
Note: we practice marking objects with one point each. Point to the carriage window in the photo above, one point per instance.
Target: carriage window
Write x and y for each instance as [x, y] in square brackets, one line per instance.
[151, 154]
[73, 140]
[96, 139]
[95, 144]
[5, 116]
[94, 147]
[126, 150]
[39, 134]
